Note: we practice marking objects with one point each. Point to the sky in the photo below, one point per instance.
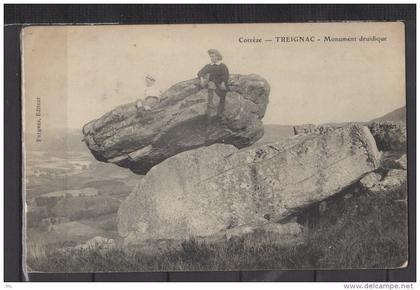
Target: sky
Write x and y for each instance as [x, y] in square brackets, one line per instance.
[81, 72]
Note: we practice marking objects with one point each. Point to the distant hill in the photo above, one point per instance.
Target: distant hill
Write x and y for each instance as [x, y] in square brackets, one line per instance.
[396, 115]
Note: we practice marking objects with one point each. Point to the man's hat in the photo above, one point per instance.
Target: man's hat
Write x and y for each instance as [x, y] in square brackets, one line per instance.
[150, 78]
[216, 52]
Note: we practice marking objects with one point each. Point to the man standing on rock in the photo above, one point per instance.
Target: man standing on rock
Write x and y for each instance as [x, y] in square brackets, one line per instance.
[215, 76]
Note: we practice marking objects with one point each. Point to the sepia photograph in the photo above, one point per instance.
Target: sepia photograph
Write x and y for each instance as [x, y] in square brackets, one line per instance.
[214, 147]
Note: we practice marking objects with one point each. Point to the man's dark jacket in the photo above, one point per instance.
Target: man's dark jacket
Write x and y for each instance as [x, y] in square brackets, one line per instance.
[218, 73]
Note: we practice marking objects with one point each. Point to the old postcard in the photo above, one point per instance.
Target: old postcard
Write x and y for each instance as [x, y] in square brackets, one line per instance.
[214, 147]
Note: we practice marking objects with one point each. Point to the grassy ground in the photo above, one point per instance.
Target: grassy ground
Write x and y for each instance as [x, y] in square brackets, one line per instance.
[355, 229]
[358, 230]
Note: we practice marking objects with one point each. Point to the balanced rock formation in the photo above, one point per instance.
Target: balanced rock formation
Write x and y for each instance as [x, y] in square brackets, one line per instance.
[211, 189]
[180, 122]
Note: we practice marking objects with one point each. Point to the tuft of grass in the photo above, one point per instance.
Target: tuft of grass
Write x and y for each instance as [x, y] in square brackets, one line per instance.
[354, 229]
[193, 255]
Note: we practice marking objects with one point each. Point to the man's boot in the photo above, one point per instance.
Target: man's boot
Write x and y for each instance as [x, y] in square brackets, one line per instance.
[210, 101]
[209, 112]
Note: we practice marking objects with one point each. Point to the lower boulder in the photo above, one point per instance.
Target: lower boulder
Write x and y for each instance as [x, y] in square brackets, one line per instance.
[204, 191]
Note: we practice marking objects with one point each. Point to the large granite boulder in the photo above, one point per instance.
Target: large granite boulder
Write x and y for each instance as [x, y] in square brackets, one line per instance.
[180, 122]
[389, 136]
[211, 189]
